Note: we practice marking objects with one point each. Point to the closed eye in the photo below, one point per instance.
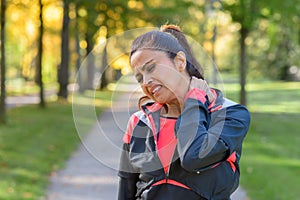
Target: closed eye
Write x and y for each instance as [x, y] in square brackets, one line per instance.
[146, 67]
[139, 78]
[150, 67]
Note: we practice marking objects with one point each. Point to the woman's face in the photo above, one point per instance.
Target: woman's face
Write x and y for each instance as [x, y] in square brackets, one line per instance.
[162, 79]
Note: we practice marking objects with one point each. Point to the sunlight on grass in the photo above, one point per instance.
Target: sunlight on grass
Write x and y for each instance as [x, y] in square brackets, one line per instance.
[263, 159]
[18, 87]
[92, 97]
[270, 97]
[273, 86]
[279, 107]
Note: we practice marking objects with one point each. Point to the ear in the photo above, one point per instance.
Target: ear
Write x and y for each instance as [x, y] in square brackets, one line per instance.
[180, 61]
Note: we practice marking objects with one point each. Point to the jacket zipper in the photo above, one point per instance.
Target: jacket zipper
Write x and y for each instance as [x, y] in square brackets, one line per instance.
[167, 175]
[168, 172]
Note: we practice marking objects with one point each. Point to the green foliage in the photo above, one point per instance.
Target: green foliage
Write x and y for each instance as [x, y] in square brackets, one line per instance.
[243, 12]
[273, 48]
[273, 42]
[273, 39]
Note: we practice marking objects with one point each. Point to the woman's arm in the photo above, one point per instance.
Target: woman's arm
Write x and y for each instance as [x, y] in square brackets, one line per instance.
[127, 189]
[128, 178]
[205, 139]
[128, 175]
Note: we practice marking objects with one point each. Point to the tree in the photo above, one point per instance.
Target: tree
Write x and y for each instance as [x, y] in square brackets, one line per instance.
[243, 12]
[116, 16]
[104, 82]
[63, 69]
[249, 13]
[77, 50]
[91, 17]
[282, 34]
[40, 55]
[2, 86]
[85, 31]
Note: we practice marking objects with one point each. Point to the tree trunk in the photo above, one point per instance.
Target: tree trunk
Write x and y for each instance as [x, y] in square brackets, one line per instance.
[40, 55]
[90, 62]
[63, 69]
[2, 86]
[79, 75]
[213, 56]
[243, 65]
[299, 32]
[104, 81]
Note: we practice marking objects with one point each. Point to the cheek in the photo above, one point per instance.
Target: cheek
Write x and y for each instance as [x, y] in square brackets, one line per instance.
[170, 78]
[145, 90]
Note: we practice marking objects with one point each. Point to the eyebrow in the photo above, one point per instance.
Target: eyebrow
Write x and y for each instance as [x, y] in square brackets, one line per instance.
[145, 64]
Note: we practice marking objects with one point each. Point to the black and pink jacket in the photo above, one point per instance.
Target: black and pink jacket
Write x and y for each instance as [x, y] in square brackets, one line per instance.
[205, 161]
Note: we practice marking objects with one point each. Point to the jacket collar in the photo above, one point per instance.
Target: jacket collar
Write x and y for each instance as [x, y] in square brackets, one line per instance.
[153, 107]
[217, 102]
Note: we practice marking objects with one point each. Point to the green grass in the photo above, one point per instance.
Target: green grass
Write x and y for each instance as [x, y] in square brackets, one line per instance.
[18, 87]
[270, 165]
[36, 142]
[271, 159]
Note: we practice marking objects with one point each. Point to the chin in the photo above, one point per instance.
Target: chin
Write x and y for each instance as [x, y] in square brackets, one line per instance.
[160, 100]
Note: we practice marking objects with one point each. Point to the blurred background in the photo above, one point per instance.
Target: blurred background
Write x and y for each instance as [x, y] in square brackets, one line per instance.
[255, 47]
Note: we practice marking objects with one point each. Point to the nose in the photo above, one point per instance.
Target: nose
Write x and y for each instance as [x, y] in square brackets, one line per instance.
[147, 80]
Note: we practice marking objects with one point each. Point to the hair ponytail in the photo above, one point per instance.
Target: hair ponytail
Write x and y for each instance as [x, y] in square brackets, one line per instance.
[193, 66]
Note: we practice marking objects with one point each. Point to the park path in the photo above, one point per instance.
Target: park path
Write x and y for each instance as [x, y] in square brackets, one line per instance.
[91, 172]
[15, 101]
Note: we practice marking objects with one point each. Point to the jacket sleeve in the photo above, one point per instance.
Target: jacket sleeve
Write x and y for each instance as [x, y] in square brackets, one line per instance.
[128, 175]
[128, 178]
[204, 138]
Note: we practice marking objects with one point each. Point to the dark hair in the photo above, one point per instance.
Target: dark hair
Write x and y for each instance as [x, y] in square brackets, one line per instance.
[193, 66]
[170, 40]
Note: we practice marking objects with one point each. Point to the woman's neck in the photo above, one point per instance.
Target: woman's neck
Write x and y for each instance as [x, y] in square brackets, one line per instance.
[171, 110]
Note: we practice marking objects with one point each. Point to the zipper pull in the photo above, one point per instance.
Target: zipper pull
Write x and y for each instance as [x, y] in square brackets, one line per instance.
[167, 174]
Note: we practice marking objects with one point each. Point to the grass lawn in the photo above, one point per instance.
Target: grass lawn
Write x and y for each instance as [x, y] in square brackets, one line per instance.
[36, 142]
[270, 165]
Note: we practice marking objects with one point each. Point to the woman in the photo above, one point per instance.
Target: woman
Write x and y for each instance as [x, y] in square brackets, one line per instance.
[185, 142]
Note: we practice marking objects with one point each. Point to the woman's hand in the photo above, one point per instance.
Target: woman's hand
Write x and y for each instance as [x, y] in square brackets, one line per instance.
[202, 85]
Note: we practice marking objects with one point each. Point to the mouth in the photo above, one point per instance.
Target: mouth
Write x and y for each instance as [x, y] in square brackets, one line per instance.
[155, 89]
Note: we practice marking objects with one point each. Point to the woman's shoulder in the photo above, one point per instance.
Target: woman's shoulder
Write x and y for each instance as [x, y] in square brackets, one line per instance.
[228, 103]
[137, 117]
[236, 110]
